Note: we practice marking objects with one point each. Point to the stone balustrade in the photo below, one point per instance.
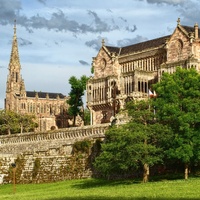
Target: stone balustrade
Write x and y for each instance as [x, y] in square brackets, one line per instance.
[54, 151]
[68, 133]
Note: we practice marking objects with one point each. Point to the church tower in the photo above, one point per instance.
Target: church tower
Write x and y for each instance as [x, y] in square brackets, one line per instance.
[50, 109]
[15, 84]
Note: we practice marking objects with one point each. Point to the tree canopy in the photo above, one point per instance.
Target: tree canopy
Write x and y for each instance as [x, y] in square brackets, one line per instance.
[12, 122]
[135, 144]
[178, 105]
[78, 86]
[161, 129]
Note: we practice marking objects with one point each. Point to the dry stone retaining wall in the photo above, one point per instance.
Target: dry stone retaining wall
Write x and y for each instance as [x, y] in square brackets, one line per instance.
[48, 156]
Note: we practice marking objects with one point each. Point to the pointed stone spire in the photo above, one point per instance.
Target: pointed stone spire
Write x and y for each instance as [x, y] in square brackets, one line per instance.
[15, 83]
[14, 57]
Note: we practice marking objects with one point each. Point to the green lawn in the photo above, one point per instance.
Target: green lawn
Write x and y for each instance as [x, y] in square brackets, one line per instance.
[89, 189]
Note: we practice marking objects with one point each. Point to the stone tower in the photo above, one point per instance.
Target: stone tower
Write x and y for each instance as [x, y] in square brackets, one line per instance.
[15, 84]
[50, 109]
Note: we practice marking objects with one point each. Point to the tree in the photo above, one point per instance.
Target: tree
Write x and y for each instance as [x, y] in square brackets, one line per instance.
[11, 122]
[143, 114]
[8, 122]
[86, 117]
[178, 105]
[78, 86]
[27, 122]
[129, 146]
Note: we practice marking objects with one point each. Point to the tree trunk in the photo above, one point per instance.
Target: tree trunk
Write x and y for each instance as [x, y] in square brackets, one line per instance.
[74, 121]
[145, 166]
[186, 171]
[83, 117]
[145, 173]
[21, 127]
[9, 132]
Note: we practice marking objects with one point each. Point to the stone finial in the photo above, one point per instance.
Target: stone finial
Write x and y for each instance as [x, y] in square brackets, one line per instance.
[113, 54]
[191, 36]
[36, 95]
[196, 31]
[178, 22]
[103, 42]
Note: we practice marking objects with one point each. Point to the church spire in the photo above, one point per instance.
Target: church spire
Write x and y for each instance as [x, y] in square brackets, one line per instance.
[15, 84]
[14, 57]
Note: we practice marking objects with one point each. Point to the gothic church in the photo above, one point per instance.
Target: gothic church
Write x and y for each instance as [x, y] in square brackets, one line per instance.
[50, 109]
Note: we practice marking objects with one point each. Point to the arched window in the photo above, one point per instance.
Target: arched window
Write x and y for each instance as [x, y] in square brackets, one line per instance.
[179, 48]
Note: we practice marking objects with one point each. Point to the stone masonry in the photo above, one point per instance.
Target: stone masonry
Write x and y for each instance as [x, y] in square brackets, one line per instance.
[123, 74]
[48, 156]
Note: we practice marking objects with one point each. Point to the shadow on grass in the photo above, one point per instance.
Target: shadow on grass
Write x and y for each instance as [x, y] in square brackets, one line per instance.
[94, 183]
[118, 198]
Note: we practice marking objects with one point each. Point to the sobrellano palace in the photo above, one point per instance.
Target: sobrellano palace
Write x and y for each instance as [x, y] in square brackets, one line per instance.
[126, 73]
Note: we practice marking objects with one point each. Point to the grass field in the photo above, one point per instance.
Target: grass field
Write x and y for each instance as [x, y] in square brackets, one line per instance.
[89, 189]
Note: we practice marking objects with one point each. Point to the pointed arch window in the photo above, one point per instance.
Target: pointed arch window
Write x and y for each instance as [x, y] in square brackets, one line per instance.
[179, 48]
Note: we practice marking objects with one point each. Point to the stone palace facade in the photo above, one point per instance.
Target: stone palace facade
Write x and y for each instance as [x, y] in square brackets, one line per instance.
[126, 73]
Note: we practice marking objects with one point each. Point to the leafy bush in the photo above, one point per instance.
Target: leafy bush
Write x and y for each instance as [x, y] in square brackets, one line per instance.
[82, 146]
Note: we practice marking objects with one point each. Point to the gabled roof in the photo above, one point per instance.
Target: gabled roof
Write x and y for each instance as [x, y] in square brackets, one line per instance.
[188, 28]
[158, 42]
[113, 49]
[191, 29]
[139, 46]
[44, 95]
[144, 45]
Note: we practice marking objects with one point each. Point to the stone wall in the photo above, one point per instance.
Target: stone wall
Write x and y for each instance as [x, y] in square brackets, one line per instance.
[49, 156]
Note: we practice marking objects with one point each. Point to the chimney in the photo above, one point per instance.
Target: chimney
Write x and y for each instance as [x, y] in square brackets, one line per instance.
[196, 31]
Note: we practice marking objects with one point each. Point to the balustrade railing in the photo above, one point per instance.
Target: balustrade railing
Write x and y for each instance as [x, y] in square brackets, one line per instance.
[60, 134]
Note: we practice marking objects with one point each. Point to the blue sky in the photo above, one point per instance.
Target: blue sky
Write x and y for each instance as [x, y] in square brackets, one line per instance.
[58, 38]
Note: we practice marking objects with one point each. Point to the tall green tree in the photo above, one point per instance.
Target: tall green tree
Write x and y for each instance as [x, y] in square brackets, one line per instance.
[178, 105]
[135, 144]
[142, 113]
[76, 107]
